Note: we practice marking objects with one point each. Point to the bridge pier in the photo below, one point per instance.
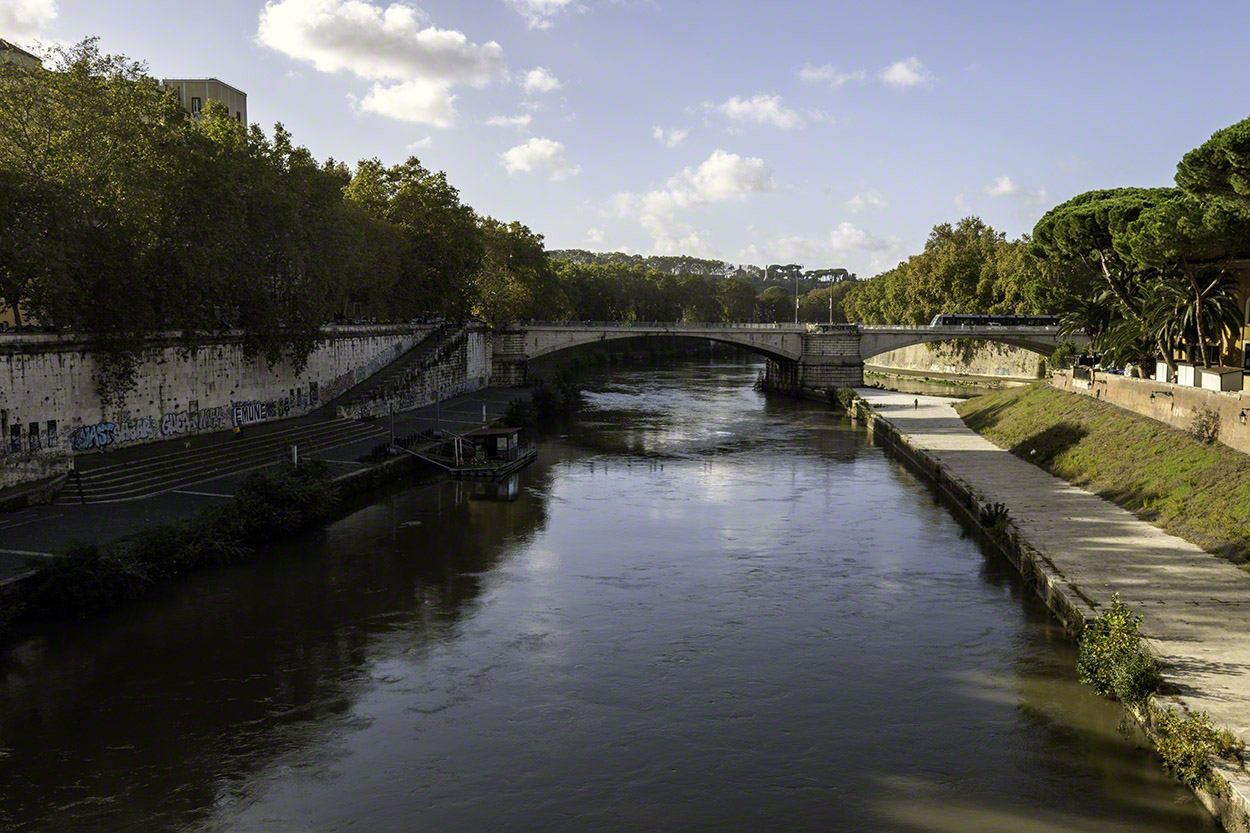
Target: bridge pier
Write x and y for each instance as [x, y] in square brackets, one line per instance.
[830, 360]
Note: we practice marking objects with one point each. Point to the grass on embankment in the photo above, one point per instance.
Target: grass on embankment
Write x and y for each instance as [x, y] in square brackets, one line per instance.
[1194, 490]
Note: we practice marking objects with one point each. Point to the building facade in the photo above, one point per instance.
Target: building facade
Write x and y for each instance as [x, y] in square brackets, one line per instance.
[194, 93]
[13, 54]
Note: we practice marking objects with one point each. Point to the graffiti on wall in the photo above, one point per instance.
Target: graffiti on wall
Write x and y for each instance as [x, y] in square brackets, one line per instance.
[183, 422]
[340, 384]
[92, 437]
[255, 410]
[108, 434]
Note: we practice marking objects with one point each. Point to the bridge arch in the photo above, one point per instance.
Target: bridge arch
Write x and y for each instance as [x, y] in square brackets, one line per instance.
[770, 342]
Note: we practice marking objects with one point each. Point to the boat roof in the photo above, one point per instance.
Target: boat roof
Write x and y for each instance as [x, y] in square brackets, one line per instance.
[487, 432]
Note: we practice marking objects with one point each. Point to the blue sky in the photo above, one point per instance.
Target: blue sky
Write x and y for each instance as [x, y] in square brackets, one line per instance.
[824, 133]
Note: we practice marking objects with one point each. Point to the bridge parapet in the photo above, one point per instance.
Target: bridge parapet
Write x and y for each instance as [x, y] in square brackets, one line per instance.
[822, 356]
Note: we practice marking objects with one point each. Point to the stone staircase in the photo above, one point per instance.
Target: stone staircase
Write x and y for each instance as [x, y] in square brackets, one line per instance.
[142, 472]
[394, 378]
[113, 478]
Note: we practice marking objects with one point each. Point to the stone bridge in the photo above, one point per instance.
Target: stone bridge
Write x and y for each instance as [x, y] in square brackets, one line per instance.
[799, 356]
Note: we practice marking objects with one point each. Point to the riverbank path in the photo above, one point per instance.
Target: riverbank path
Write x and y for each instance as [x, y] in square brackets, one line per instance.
[130, 489]
[1196, 606]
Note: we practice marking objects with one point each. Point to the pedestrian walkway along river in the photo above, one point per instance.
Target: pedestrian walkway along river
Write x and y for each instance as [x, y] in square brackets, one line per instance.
[704, 609]
[1196, 607]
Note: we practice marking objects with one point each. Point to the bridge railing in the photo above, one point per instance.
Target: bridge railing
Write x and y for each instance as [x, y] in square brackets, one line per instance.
[964, 328]
[668, 325]
[955, 329]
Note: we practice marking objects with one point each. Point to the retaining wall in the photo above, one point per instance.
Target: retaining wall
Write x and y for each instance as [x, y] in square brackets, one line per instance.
[48, 400]
[1174, 405]
[1073, 607]
[462, 367]
[981, 359]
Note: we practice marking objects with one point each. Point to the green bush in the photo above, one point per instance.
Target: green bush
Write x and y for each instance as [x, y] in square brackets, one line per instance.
[843, 398]
[570, 394]
[269, 504]
[1112, 659]
[86, 580]
[562, 397]
[546, 403]
[519, 413]
[1062, 356]
[1186, 745]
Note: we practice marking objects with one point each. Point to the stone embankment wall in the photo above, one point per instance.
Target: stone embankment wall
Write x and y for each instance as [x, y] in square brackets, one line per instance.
[979, 359]
[1056, 584]
[462, 365]
[1175, 405]
[49, 404]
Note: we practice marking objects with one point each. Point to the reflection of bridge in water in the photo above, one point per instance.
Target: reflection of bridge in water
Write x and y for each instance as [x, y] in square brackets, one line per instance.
[799, 355]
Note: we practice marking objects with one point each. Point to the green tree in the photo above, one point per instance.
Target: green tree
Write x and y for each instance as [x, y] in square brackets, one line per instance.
[737, 298]
[776, 304]
[515, 280]
[1219, 169]
[1185, 241]
[442, 242]
[1084, 231]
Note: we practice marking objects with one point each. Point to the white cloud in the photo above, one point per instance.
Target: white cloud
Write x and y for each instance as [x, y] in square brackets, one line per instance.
[594, 235]
[418, 101]
[539, 155]
[520, 122]
[721, 177]
[25, 18]
[763, 109]
[863, 202]
[421, 144]
[397, 43]
[828, 74]
[538, 13]
[906, 73]
[1002, 187]
[670, 138]
[846, 245]
[1005, 188]
[539, 80]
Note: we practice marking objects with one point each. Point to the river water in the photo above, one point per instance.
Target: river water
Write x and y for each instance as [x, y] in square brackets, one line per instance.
[704, 609]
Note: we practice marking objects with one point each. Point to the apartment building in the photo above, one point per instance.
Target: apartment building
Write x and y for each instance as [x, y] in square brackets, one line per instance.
[194, 93]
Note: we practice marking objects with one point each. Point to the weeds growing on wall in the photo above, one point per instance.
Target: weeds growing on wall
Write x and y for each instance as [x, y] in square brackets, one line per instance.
[562, 396]
[269, 504]
[1206, 425]
[843, 398]
[1186, 745]
[1112, 659]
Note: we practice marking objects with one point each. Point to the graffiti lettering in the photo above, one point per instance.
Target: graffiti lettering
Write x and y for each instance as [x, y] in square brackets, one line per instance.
[134, 430]
[88, 437]
[246, 413]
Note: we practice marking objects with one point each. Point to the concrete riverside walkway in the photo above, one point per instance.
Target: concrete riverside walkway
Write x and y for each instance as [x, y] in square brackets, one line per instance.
[1196, 606]
[27, 535]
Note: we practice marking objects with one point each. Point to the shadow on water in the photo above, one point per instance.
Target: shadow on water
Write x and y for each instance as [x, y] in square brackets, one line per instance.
[700, 609]
[142, 718]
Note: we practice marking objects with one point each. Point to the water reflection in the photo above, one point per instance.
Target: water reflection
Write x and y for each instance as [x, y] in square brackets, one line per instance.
[700, 609]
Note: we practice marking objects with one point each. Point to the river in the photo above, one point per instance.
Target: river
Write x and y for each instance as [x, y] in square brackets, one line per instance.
[704, 609]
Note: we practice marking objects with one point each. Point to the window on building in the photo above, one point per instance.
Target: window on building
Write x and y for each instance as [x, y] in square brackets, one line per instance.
[195, 105]
[32, 436]
[238, 116]
[51, 438]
